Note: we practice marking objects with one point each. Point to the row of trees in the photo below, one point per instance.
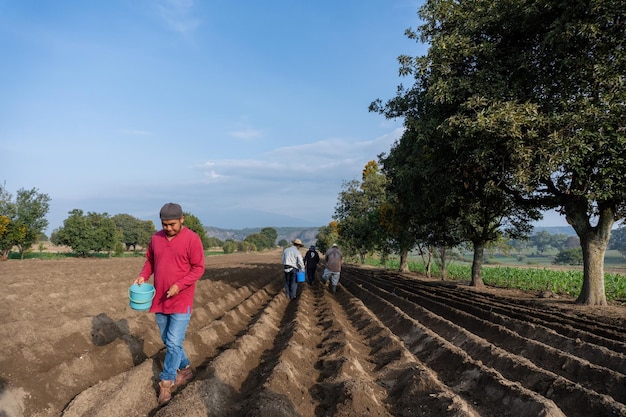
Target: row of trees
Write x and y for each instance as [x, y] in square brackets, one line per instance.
[23, 221]
[544, 241]
[99, 232]
[516, 108]
[618, 240]
[263, 240]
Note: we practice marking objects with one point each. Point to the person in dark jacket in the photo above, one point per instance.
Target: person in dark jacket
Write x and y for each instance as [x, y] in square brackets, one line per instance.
[311, 259]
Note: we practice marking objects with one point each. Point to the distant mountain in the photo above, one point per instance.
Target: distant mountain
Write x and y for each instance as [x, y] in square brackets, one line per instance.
[308, 235]
[555, 230]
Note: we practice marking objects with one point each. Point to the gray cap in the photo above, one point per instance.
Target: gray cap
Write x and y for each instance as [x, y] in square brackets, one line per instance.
[171, 211]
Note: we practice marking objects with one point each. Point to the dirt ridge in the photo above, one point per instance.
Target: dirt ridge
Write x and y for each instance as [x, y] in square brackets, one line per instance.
[386, 344]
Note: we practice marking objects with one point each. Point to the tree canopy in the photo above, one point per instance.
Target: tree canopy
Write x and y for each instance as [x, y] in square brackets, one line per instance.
[326, 236]
[358, 212]
[194, 223]
[135, 232]
[265, 239]
[522, 103]
[22, 220]
[85, 233]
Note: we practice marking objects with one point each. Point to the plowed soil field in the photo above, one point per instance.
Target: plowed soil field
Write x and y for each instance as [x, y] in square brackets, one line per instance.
[386, 344]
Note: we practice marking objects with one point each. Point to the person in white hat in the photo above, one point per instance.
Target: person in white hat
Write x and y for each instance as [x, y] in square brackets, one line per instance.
[334, 261]
[292, 263]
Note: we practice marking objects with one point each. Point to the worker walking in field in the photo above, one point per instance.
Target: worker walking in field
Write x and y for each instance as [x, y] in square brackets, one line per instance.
[334, 261]
[311, 259]
[292, 263]
[175, 257]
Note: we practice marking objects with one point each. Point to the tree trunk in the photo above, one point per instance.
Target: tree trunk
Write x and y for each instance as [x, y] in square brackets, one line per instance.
[592, 292]
[427, 256]
[443, 252]
[384, 256]
[477, 265]
[404, 261]
[593, 240]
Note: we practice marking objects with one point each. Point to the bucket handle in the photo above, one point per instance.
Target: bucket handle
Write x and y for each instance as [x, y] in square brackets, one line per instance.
[141, 302]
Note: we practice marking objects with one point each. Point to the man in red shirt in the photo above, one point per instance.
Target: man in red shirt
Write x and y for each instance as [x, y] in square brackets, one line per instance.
[175, 257]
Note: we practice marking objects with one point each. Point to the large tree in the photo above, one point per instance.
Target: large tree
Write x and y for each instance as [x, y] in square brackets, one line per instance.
[451, 185]
[265, 239]
[406, 210]
[451, 181]
[194, 223]
[135, 232]
[23, 220]
[86, 233]
[540, 85]
[326, 236]
[358, 212]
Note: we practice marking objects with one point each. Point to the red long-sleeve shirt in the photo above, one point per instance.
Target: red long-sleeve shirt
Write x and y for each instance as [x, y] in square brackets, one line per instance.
[178, 261]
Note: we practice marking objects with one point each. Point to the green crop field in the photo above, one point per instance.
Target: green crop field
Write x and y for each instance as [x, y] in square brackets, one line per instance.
[532, 273]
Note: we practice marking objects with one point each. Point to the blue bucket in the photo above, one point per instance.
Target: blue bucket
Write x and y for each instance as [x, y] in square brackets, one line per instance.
[300, 276]
[141, 296]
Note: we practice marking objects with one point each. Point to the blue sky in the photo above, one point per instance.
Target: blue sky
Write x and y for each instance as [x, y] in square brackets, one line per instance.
[247, 113]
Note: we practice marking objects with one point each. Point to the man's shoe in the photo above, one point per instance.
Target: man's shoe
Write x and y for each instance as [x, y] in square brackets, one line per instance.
[165, 391]
[183, 376]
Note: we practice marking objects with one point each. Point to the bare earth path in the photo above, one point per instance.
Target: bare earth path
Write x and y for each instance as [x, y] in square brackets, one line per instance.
[386, 344]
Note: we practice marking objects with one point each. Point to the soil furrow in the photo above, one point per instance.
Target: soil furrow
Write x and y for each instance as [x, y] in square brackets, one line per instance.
[345, 385]
[597, 332]
[570, 396]
[202, 343]
[282, 386]
[478, 384]
[595, 378]
[218, 335]
[385, 344]
[216, 391]
[608, 353]
[413, 389]
[598, 355]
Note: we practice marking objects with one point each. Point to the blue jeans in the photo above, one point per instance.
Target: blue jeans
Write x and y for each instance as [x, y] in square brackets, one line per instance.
[291, 283]
[332, 276]
[173, 328]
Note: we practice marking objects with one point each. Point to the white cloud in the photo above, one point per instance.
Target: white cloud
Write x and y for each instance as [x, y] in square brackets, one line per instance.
[294, 181]
[288, 186]
[246, 134]
[327, 159]
[212, 175]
